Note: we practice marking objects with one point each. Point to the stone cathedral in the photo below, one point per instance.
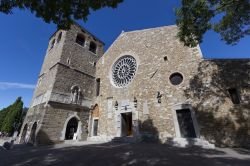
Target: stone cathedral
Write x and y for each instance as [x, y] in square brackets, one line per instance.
[147, 87]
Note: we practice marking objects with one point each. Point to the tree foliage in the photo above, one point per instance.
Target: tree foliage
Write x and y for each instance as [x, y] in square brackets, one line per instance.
[229, 18]
[10, 116]
[60, 12]
[194, 17]
[3, 114]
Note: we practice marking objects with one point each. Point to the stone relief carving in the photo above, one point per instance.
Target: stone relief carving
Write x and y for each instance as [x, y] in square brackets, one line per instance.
[75, 95]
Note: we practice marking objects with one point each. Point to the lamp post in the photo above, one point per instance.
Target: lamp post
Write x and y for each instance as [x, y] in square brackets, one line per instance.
[159, 95]
[116, 105]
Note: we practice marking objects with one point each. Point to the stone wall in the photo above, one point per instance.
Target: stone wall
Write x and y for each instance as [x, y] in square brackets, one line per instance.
[220, 121]
[151, 97]
[67, 78]
[55, 122]
[149, 47]
[53, 55]
[48, 71]
[80, 57]
[159, 53]
[34, 115]
[52, 121]
[66, 65]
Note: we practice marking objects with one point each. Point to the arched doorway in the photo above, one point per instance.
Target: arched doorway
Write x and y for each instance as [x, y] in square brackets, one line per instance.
[33, 133]
[22, 140]
[71, 128]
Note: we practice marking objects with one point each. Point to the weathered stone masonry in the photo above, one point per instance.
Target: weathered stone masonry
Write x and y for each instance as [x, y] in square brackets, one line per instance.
[166, 93]
[65, 87]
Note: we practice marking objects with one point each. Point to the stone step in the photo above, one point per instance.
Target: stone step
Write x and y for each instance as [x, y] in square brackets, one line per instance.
[123, 139]
[187, 142]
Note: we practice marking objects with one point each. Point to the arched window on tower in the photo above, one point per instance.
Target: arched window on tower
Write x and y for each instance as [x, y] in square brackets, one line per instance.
[33, 134]
[92, 47]
[23, 136]
[234, 95]
[59, 37]
[98, 84]
[52, 44]
[80, 39]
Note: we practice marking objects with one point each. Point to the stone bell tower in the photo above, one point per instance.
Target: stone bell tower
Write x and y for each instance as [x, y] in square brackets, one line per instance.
[66, 86]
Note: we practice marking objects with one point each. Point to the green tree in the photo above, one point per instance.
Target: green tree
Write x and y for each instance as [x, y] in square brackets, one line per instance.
[12, 116]
[194, 17]
[60, 12]
[229, 18]
[3, 114]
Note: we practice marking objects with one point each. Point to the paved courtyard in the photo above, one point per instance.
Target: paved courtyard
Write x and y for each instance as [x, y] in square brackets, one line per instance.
[117, 154]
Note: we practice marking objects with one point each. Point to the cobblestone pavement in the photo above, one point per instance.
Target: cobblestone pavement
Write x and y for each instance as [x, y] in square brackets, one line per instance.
[118, 154]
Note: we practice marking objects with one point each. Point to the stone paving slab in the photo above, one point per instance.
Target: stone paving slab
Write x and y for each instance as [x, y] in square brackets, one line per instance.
[118, 154]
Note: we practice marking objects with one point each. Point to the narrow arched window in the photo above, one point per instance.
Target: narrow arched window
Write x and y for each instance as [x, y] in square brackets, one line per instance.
[59, 37]
[234, 95]
[68, 61]
[98, 84]
[52, 44]
[92, 47]
[80, 39]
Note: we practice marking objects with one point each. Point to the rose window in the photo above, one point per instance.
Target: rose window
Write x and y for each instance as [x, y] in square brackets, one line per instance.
[123, 71]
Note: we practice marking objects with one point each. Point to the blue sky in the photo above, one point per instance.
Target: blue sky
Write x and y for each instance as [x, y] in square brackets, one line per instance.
[24, 39]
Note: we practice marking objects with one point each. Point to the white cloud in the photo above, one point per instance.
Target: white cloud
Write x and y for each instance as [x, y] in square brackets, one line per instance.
[13, 85]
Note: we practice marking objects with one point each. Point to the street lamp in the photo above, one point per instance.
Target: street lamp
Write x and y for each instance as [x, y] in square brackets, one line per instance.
[116, 105]
[159, 95]
[135, 102]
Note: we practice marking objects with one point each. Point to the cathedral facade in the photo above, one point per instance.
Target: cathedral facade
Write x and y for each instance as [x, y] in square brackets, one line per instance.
[147, 87]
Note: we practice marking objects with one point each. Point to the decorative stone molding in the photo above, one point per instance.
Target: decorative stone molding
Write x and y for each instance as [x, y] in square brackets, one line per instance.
[75, 95]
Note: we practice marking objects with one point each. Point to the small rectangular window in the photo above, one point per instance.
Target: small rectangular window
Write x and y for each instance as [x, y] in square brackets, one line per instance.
[52, 44]
[95, 127]
[59, 37]
[234, 95]
[98, 84]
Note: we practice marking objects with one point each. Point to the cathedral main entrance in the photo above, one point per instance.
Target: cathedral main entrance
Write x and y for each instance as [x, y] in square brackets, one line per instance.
[71, 129]
[126, 124]
[185, 123]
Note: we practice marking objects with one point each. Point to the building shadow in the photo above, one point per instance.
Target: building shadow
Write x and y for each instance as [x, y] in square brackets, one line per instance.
[39, 139]
[148, 132]
[43, 139]
[221, 122]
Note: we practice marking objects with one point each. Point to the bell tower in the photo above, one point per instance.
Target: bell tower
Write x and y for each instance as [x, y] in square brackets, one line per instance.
[65, 88]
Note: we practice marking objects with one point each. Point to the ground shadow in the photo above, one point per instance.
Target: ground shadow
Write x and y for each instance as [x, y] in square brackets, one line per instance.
[114, 154]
